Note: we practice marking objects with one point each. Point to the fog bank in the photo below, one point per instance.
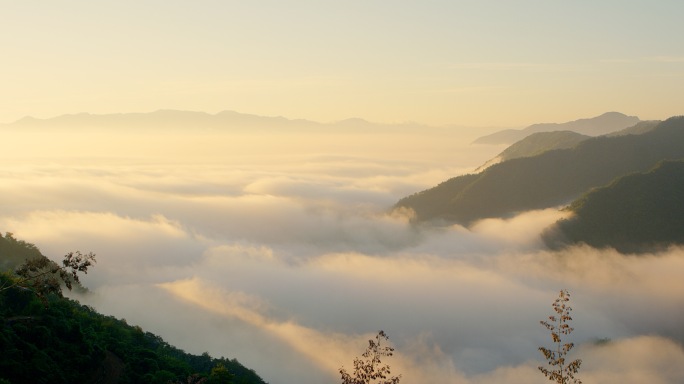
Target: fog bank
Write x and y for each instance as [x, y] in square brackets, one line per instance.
[280, 252]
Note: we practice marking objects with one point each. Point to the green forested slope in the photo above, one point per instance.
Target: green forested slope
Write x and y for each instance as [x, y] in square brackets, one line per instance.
[58, 340]
[553, 178]
[638, 129]
[636, 213]
[599, 125]
[538, 143]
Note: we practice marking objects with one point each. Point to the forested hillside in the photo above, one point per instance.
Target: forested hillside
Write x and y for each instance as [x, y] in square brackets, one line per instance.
[636, 213]
[599, 125]
[639, 128]
[536, 144]
[550, 179]
[53, 339]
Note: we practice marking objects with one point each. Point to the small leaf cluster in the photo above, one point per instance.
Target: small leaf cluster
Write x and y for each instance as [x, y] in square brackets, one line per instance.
[45, 277]
[370, 369]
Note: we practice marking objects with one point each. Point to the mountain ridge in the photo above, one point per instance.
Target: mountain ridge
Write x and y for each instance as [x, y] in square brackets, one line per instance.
[168, 117]
[637, 213]
[550, 179]
[595, 126]
[536, 144]
[182, 120]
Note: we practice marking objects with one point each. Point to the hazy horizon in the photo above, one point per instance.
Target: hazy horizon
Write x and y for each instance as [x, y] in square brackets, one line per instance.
[473, 130]
[490, 63]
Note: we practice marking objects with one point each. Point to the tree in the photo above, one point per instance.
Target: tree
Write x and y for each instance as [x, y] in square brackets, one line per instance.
[192, 379]
[220, 375]
[369, 370]
[43, 276]
[560, 371]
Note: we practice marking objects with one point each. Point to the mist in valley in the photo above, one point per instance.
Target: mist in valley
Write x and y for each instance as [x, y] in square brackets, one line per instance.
[278, 247]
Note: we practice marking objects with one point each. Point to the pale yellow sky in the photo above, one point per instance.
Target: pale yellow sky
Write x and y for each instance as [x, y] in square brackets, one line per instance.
[481, 63]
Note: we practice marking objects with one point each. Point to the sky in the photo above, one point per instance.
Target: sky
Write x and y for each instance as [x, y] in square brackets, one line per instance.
[472, 63]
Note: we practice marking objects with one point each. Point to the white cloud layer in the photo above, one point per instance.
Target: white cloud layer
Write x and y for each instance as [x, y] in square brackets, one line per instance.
[291, 266]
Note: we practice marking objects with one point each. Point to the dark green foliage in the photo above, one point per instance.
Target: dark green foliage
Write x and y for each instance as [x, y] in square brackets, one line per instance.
[39, 343]
[429, 204]
[15, 252]
[220, 375]
[636, 213]
[638, 129]
[57, 340]
[38, 273]
[550, 179]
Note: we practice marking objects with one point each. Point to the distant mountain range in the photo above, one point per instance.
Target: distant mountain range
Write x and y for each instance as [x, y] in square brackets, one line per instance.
[552, 178]
[160, 118]
[201, 121]
[540, 142]
[600, 125]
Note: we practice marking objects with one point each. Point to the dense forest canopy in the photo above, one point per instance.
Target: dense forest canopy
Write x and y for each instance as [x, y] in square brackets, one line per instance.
[641, 212]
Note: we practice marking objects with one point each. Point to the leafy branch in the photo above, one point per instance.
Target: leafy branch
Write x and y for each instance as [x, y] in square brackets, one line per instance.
[43, 276]
[560, 371]
[369, 369]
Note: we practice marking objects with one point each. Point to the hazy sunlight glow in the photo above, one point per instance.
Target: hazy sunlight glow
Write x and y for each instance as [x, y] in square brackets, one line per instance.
[458, 62]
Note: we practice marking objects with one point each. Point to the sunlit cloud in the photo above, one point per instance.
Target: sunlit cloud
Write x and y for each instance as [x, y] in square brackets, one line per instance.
[288, 261]
[635, 360]
[521, 229]
[53, 225]
[421, 359]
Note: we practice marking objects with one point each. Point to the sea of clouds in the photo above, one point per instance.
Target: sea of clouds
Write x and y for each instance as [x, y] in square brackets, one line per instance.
[280, 250]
